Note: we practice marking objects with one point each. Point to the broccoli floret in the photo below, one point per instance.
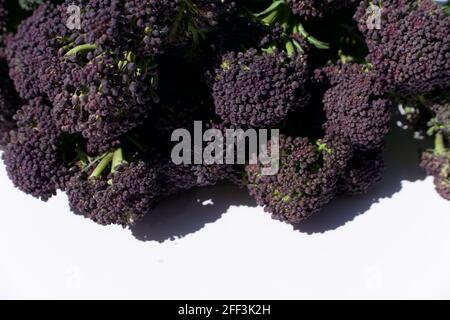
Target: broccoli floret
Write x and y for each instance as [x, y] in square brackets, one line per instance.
[32, 54]
[411, 50]
[32, 155]
[259, 89]
[356, 106]
[121, 197]
[307, 179]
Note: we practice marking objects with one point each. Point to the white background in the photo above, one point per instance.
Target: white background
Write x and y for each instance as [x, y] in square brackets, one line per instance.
[215, 243]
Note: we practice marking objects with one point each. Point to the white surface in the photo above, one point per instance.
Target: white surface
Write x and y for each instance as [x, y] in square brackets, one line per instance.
[392, 243]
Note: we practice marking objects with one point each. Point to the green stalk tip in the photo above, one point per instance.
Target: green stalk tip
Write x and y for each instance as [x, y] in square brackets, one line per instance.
[290, 49]
[117, 159]
[439, 146]
[80, 49]
[102, 166]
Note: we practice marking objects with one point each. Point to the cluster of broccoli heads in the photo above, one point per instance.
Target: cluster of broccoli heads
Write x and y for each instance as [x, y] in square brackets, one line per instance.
[89, 110]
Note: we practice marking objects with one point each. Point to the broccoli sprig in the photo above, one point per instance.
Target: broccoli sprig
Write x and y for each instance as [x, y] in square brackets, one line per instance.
[307, 180]
[410, 49]
[121, 195]
[259, 90]
[292, 29]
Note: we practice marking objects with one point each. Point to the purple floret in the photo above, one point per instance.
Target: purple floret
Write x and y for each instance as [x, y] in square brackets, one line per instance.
[411, 50]
[32, 54]
[122, 197]
[259, 89]
[356, 106]
[307, 179]
[32, 158]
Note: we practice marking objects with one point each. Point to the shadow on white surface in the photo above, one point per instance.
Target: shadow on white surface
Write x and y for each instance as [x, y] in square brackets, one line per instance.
[187, 213]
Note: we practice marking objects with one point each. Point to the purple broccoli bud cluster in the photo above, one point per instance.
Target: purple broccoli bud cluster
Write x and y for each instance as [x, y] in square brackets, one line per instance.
[411, 49]
[356, 107]
[121, 197]
[259, 90]
[32, 155]
[307, 180]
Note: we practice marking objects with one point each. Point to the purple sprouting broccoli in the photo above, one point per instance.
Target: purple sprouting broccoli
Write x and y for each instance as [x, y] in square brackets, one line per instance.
[356, 105]
[259, 89]
[411, 49]
[307, 179]
[34, 160]
[259, 86]
[120, 196]
[102, 77]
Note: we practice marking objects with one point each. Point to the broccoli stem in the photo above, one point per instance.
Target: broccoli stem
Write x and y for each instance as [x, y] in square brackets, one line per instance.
[117, 159]
[314, 41]
[102, 165]
[290, 49]
[439, 146]
[280, 12]
[81, 48]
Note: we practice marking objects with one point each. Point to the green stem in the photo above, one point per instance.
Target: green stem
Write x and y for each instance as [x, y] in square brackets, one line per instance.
[317, 43]
[81, 48]
[270, 19]
[439, 146]
[102, 165]
[272, 8]
[290, 49]
[117, 159]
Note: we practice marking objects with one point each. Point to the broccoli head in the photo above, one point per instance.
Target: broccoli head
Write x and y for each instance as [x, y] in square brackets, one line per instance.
[307, 179]
[259, 89]
[356, 106]
[32, 155]
[120, 196]
[411, 50]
